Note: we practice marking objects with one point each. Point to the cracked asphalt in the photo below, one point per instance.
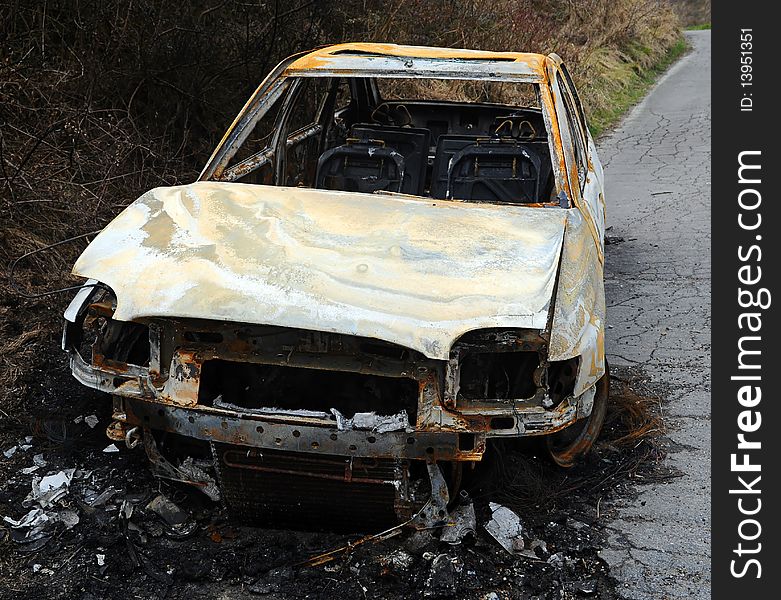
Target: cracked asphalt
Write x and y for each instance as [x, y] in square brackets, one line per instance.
[657, 170]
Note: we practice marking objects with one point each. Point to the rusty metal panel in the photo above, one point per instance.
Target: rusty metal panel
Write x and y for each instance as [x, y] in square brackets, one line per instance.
[412, 271]
[579, 311]
[367, 59]
[282, 433]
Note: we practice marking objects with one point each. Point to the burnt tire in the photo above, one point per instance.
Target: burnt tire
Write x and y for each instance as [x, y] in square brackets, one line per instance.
[568, 446]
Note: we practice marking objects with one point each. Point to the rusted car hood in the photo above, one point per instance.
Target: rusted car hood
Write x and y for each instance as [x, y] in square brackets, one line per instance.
[416, 272]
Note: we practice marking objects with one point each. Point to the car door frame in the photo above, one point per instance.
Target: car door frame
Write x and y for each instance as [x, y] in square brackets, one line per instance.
[588, 194]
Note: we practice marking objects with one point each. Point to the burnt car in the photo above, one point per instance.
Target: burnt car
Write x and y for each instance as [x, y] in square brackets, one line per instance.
[393, 258]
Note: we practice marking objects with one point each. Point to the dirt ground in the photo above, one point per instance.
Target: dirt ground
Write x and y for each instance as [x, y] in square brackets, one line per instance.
[121, 548]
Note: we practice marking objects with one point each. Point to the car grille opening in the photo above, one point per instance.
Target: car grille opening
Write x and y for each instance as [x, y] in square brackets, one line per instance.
[258, 386]
[498, 375]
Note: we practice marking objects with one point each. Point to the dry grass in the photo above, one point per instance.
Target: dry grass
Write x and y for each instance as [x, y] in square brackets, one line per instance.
[627, 449]
[693, 14]
[632, 417]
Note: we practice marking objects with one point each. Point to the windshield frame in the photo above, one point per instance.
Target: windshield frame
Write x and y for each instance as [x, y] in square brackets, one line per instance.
[278, 83]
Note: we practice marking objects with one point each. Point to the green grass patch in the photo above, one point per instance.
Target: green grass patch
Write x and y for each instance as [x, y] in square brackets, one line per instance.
[632, 85]
[699, 27]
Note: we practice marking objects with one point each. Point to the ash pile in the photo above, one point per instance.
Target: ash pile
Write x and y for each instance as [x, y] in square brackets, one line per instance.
[83, 518]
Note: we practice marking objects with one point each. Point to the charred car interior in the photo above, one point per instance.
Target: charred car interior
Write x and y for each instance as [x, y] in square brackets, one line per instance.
[371, 281]
[345, 134]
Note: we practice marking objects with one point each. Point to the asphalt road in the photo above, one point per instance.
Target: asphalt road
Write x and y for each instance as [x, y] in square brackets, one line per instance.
[657, 169]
